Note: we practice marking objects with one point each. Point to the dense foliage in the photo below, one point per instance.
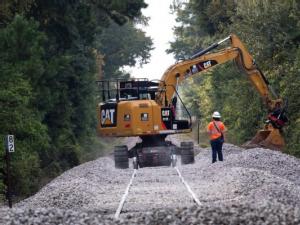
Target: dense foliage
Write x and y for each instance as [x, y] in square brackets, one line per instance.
[271, 32]
[49, 61]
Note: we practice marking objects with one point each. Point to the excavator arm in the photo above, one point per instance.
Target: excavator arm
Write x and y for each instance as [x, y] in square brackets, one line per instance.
[236, 51]
[204, 60]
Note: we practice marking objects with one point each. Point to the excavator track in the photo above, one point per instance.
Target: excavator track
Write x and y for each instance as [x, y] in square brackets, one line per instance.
[154, 152]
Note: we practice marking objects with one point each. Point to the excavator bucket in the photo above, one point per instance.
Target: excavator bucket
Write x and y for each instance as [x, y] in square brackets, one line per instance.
[268, 138]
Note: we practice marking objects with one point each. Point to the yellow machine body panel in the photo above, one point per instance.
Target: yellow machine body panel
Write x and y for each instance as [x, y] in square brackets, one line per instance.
[133, 118]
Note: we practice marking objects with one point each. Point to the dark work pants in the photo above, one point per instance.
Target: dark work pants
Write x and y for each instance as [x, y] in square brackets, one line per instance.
[216, 146]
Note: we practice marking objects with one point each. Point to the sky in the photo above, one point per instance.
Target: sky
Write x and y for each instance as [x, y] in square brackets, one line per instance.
[160, 30]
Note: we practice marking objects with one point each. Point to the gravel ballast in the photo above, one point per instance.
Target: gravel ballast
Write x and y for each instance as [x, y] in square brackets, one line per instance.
[255, 186]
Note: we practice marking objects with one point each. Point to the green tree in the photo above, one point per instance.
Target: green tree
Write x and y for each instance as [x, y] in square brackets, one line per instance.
[21, 62]
[48, 71]
[270, 31]
[67, 90]
[123, 46]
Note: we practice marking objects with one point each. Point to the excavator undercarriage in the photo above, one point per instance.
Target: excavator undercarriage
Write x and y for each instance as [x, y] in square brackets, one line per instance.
[154, 151]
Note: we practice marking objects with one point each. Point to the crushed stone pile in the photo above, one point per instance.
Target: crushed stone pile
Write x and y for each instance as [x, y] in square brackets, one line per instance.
[235, 214]
[255, 186]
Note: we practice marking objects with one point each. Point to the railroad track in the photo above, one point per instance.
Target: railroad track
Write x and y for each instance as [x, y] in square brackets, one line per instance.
[131, 183]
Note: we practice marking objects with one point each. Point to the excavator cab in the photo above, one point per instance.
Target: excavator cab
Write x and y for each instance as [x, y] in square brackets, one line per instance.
[130, 108]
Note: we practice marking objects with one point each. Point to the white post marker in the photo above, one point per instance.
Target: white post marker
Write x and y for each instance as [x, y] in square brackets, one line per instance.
[9, 148]
[10, 144]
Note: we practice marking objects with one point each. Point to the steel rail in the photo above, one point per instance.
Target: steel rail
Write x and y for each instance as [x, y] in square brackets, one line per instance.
[195, 198]
[121, 204]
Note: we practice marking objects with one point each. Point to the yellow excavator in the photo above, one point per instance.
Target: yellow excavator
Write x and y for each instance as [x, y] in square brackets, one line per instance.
[148, 109]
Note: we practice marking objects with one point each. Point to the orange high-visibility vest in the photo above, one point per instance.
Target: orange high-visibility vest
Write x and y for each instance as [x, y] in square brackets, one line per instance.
[212, 130]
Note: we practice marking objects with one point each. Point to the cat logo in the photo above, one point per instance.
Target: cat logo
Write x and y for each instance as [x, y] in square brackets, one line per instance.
[108, 117]
[207, 64]
[165, 112]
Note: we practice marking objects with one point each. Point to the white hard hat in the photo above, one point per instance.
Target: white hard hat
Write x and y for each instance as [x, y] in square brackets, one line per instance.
[216, 115]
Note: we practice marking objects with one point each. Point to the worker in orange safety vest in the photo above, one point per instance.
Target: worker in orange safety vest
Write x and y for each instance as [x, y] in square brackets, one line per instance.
[215, 130]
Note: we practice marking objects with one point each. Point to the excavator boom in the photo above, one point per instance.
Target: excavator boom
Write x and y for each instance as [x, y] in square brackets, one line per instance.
[270, 136]
[205, 60]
